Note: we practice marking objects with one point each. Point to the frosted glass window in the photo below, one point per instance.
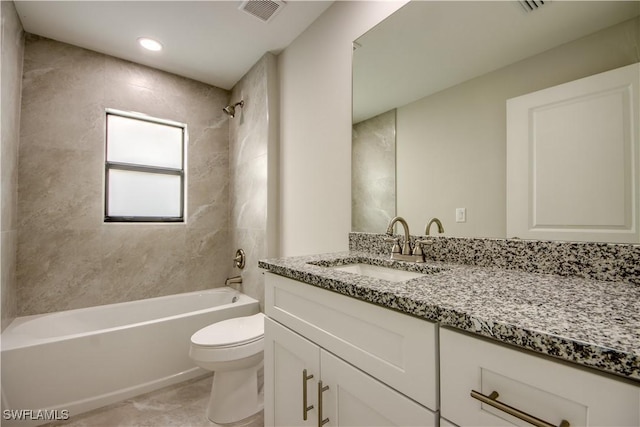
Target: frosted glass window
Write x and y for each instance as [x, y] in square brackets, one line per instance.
[144, 169]
[143, 194]
[142, 142]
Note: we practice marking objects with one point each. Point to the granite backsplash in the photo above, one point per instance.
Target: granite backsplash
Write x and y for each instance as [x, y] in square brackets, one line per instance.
[599, 261]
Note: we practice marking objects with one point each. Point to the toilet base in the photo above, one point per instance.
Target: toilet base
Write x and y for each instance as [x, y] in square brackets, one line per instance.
[235, 395]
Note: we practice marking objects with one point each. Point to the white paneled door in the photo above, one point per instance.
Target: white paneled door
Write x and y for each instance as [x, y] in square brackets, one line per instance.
[573, 160]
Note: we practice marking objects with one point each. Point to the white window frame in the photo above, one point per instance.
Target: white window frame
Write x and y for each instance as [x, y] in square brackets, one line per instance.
[110, 165]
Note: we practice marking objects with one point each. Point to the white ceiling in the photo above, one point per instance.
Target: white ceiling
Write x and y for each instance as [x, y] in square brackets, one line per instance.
[210, 41]
[428, 46]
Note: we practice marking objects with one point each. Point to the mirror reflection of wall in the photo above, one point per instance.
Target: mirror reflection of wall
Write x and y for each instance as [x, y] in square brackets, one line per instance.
[451, 143]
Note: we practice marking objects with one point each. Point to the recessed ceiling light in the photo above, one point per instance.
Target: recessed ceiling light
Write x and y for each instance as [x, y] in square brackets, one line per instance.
[150, 44]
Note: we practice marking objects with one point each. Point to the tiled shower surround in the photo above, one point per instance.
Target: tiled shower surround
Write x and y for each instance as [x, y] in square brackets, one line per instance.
[67, 257]
[251, 168]
[12, 54]
[599, 261]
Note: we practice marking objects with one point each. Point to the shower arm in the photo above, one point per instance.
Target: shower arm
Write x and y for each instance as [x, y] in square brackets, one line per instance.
[231, 108]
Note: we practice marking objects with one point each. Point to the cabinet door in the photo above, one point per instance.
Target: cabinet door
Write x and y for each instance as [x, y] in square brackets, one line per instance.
[353, 398]
[286, 357]
[397, 349]
[543, 388]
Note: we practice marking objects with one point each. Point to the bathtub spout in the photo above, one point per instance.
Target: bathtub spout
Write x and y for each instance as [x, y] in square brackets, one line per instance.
[233, 280]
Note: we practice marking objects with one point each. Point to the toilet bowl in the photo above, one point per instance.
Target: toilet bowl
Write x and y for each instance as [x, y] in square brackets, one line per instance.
[234, 350]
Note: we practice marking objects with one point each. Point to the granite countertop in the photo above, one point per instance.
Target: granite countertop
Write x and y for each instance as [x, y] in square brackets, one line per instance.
[588, 322]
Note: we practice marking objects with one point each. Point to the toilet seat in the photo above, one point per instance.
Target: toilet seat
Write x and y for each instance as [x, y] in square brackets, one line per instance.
[228, 340]
[238, 331]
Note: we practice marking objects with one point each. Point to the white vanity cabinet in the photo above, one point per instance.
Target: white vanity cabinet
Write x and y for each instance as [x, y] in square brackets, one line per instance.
[311, 385]
[545, 389]
[339, 361]
[336, 360]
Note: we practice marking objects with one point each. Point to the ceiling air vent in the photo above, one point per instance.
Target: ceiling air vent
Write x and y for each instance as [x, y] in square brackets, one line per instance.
[531, 5]
[264, 10]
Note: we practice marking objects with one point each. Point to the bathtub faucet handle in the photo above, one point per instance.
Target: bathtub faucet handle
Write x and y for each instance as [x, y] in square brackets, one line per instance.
[239, 259]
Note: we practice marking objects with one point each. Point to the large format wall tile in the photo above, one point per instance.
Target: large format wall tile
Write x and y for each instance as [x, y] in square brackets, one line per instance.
[67, 256]
[249, 133]
[206, 250]
[249, 205]
[57, 267]
[59, 188]
[252, 241]
[53, 70]
[8, 288]
[145, 261]
[12, 41]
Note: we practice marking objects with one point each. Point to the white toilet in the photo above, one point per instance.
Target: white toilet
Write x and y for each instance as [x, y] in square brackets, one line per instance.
[234, 350]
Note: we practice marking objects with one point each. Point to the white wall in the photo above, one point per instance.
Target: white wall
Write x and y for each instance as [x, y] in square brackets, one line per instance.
[451, 146]
[315, 129]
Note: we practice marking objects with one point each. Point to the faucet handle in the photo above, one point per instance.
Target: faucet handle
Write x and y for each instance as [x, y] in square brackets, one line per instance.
[417, 253]
[396, 244]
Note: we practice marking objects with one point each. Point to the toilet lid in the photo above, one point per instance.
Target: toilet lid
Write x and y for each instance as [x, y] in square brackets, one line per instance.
[235, 331]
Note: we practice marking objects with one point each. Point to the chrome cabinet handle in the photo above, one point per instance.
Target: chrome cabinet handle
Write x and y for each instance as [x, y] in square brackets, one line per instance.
[491, 401]
[305, 408]
[321, 389]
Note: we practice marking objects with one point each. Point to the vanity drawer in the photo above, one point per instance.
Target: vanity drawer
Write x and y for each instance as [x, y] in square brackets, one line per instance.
[395, 348]
[543, 388]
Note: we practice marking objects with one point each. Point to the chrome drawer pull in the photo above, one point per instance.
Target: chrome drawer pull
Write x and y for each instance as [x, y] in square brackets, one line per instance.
[305, 408]
[321, 389]
[491, 401]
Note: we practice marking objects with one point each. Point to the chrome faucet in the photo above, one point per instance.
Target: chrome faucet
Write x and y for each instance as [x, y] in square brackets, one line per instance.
[406, 253]
[437, 222]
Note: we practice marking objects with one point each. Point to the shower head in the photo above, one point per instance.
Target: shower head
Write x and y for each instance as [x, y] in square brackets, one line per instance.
[231, 109]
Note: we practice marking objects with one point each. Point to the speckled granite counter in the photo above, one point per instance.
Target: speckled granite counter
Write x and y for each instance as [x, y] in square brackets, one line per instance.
[588, 322]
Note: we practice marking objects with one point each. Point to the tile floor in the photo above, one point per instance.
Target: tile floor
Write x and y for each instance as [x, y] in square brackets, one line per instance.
[182, 405]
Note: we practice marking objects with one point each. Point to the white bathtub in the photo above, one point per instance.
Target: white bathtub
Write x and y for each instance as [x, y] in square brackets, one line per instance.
[83, 359]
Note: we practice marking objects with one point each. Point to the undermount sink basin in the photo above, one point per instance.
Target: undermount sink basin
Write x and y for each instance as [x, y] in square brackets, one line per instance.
[378, 272]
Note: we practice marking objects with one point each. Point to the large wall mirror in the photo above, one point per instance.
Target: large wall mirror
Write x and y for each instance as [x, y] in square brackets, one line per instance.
[430, 85]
